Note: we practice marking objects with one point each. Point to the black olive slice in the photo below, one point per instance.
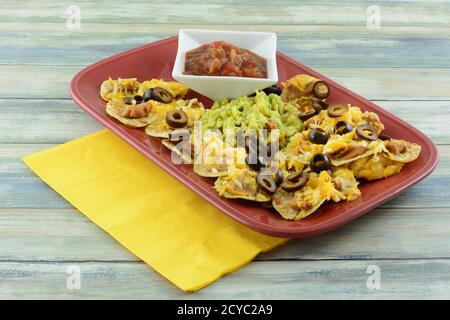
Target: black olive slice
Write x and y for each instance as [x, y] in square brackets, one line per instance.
[295, 184]
[321, 90]
[307, 114]
[318, 136]
[294, 176]
[320, 162]
[162, 95]
[342, 127]
[148, 95]
[138, 98]
[367, 132]
[266, 183]
[337, 110]
[176, 118]
[319, 105]
[273, 89]
[384, 137]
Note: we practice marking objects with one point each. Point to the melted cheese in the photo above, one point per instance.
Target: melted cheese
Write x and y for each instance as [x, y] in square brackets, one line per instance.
[176, 89]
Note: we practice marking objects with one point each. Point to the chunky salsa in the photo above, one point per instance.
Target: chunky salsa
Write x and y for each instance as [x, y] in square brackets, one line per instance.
[223, 59]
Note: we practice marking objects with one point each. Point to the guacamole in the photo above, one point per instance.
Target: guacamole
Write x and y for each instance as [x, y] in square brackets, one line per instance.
[259, 112]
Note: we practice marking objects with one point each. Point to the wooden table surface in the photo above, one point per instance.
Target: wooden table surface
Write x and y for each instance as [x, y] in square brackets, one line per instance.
[404, 67]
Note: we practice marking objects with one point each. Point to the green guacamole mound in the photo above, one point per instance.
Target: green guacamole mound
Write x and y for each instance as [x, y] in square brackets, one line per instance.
[253, 113]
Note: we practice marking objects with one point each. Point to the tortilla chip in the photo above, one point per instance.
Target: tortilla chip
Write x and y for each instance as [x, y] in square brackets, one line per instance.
[302, 203]
[375, 167]
[343, 149]
[346, 184]
[296, 87]
[176, 89]
[118, 89]
[240, 184]
[285, 204]
[401, 150]
[158, 126]
[354, 116]
[153, 131]
[300, 149]
[116, 112]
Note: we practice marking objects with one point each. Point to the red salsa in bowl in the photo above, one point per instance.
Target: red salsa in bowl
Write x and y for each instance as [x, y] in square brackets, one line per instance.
[220, 58]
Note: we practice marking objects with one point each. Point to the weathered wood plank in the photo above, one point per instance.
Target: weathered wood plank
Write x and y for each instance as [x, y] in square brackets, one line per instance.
[44, 121]
[58, 121]
[316, 46]
[67, 235]
[373, 83]
[232, 12]
[405, 279]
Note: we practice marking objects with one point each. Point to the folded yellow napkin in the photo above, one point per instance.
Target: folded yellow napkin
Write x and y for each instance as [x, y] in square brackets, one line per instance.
[154, 216]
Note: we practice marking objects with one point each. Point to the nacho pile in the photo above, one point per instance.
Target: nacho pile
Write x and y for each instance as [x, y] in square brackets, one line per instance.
[310, 151]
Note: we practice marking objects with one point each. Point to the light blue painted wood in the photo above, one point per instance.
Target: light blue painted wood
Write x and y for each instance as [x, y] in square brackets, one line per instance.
[381, 234]
[414, 279]
[246, 13]
[324, 46]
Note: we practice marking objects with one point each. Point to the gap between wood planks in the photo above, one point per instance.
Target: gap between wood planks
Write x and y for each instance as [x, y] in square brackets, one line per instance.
[257, 259]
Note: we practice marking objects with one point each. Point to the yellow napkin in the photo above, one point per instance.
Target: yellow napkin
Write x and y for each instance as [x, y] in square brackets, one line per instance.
[154, 216]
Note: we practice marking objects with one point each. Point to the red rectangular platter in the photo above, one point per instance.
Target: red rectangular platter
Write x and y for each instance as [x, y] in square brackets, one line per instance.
[156, 60]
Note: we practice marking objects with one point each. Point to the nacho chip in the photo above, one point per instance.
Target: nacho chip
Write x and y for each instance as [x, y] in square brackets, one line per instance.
[375, 167]
[401, 150]
[216, 158]
[344, 149]
[158, 126]
[302, 203]
[354, 116]
[346, 184]
[122, 112]
[176, 89]
[300, 149]
[296, 87]
[118, 89]
[240, 184]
